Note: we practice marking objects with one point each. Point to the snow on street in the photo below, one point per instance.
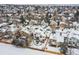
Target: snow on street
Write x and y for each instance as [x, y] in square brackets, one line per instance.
[7, 49]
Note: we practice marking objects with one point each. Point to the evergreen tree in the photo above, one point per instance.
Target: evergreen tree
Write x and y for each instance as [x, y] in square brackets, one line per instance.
[8, 18]
[22, 19]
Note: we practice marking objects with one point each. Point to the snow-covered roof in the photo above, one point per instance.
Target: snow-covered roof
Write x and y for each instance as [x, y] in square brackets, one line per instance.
[3, 24]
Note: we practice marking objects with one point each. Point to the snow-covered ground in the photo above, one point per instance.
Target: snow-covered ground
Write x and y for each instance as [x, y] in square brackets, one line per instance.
[73, 51]
[7, 49]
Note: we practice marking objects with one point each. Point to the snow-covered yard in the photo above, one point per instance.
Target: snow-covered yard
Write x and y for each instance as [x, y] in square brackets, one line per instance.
[73, 51]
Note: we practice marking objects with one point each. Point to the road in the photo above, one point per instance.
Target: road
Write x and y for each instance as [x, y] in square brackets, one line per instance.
[7, 49]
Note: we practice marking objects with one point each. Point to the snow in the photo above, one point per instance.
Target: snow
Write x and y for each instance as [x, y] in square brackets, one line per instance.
[73, 51]
[13, 27]
[43, 31]
[3, 24]
[6, 49]
[55, 49]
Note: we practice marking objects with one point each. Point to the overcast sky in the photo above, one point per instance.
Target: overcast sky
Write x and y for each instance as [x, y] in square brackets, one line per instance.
[39, 2]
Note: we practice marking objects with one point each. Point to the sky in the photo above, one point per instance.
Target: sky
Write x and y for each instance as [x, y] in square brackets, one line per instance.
[39, 2]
